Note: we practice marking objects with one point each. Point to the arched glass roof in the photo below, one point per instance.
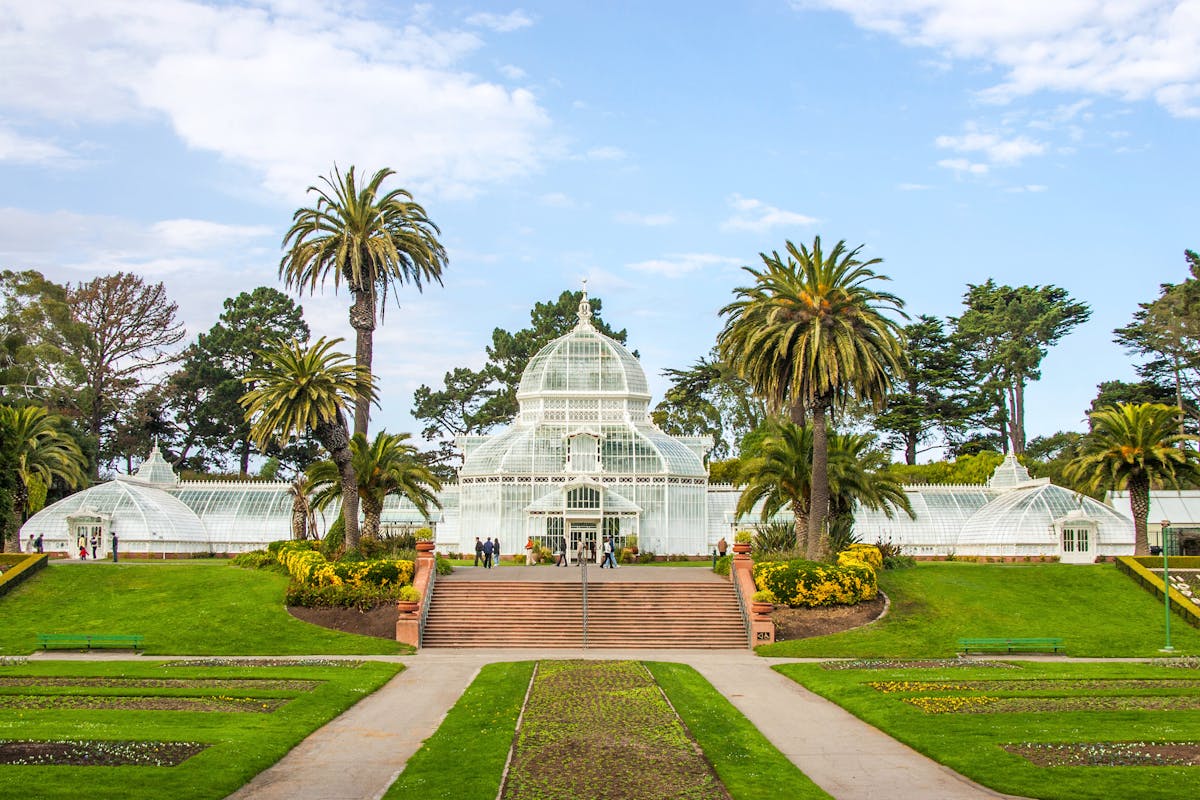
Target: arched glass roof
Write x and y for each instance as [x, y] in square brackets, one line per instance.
[1026, 515]
[135, 508]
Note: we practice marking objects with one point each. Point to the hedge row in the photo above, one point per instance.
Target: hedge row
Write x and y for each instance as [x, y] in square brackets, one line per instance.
[808, 583]
[309, 568]
[26, 565]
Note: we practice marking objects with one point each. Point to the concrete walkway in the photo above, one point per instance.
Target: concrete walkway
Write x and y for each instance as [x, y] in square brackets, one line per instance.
[358, 755]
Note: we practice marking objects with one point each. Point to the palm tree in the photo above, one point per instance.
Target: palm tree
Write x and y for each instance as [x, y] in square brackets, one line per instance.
[43, 454]
[304, 518]
[389, 465]
[1134, 446]
[811, 334]
[304, 388]
[371, 241]
[779, 474]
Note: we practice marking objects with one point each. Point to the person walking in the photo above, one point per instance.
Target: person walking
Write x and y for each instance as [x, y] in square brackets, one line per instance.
[581, 553]
[95, 546]
[722, 547]
[562, 552]
[37, 543]
[608, 555]
[496, 552]
[478, 551]
[529, 552]
[488, 549]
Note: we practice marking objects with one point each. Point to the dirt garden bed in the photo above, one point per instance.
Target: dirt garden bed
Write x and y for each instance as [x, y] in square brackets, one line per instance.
[92, 753]
[802, 623]
[379, 621]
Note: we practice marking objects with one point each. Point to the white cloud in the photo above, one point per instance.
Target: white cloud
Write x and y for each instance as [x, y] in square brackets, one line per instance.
[649, 220]
[512, 72]
[557, 200]
[19, 149]
[997, 150]
[1132, 49]
[913, 187]
[676, 265]
[961, 165]
[501, 23]
[755, 215]
[1029, 187]
[606, 153]
[284, 89]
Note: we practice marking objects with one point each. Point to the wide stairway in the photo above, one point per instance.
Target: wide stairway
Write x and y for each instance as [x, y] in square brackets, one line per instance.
[626, 615]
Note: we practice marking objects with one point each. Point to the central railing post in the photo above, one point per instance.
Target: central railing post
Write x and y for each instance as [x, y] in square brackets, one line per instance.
[583, 562]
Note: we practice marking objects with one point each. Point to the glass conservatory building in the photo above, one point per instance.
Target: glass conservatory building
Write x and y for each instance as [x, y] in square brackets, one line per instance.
[582, 460]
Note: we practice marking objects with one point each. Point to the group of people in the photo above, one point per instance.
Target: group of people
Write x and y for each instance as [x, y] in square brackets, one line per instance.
[587, 552]
[35, 545]
[487, 553]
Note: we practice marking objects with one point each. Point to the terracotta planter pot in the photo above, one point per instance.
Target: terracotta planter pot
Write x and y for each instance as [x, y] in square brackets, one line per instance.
[407, 606]
[424, 547]
[741, 549]
[761, 609]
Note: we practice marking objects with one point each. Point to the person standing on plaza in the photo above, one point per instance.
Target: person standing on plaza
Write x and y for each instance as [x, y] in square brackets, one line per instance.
[562, 552]
[478, 551]
[608, 554]
[581, 553]
[37, 543]
[488, 549]
[529, 552]
[496, 552]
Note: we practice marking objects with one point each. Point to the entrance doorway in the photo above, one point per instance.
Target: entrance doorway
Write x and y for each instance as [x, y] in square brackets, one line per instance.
[588, 533]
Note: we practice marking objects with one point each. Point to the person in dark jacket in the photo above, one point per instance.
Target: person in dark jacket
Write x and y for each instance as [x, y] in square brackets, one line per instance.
[478, 551]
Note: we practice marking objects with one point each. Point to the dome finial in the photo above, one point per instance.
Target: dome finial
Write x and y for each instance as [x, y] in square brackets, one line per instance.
[585, 309]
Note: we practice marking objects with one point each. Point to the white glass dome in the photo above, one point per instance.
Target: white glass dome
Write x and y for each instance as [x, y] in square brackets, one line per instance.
[1024, 517]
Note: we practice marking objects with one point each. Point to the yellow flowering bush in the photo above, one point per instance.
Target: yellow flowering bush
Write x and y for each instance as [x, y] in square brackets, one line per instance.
[309, 567]
[807, 583]
[950, 705]
[867, 554]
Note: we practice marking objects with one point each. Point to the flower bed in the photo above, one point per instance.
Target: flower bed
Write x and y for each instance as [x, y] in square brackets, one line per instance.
[317, 581]
[983, 704]
[928, 663]
[218, 704]
[1108, 754]
[808, 583]
[97, 753]
[1037, 685]
[612, 711]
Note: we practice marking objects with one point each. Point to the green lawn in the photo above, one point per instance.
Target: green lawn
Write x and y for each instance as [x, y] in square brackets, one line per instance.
[192, 608]
[483, 722]
[1097, 611]
[970, 743]
[472, 742]
[240, 744]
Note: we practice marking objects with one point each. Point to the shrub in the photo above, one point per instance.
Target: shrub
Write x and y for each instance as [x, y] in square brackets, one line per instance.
[362, 598]
[409, 594]
[255, 559]
[307, 566]
[764, 596]
[807, 583]
[861, 554]
[443, 566]
[423, 534]
[774, 537]
[646, 557]
[335, 538]
[722, 565]
[898, 562]
[743, 537]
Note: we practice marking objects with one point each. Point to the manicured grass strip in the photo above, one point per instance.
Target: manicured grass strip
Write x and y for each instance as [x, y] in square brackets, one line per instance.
[201, 608]
[749, 765]
[464, 759]
[1094, 608]
[239, 746]
[974, 744]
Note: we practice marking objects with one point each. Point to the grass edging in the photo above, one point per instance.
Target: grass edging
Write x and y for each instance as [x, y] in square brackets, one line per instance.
[1183, 607]
[25, 567]
[749, 765]
[473, 741]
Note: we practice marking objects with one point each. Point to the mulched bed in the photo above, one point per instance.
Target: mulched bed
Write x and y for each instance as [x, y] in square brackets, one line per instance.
[603, 729]
[219, 684]
[976, 704]
[93, 753]
[1036, 685]
[379, 621]
[802, 623]
[219, 661]
[1108, 754]
[255, 705]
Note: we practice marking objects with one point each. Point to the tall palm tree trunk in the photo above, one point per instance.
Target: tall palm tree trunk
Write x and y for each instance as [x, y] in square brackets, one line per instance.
[372, 511]
[333, 438]
[362, 319]
[1139, 505]
[818, 507]
[800, 517]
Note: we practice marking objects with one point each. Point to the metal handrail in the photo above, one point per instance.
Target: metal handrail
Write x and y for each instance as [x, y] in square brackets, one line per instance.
[428, 601]
[583, 562]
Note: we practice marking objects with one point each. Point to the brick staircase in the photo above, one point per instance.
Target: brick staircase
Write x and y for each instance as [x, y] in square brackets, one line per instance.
[629, 615]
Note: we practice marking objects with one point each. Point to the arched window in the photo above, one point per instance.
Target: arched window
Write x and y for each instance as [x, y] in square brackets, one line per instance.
[583, 454]
[583, 497]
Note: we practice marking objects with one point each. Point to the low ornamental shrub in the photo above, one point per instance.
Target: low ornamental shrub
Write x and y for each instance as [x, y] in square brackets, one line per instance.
[867, 554]
[364, 598]
[255, 559]
[810, 584]
[308, 567]
[722, 565]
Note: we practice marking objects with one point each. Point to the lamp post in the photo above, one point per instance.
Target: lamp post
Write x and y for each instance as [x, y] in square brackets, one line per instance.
[1166, 525]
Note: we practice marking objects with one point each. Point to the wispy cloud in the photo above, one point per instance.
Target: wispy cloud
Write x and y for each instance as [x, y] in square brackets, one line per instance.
[913, 187]
[606, 153]
[557, 200]
[962, 165]
[1131, 49]
[18, 149]
[649, 220]
[997, 149]
[501, 23]
[676, 265]
[754, 215]
[225, 78]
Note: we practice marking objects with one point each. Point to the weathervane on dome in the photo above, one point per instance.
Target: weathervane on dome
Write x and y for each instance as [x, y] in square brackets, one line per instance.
[585, 309]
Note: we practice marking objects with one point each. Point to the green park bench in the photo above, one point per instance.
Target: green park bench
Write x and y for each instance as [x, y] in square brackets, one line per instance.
[1031, 645]
[90, 640]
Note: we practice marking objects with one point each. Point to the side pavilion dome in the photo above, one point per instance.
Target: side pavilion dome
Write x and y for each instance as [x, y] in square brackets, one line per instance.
[582, 459]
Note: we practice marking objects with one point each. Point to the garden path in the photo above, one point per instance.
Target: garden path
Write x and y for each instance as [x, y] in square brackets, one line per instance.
[358, 755]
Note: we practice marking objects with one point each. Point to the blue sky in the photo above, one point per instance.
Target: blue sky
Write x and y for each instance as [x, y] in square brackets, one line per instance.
[651, 147]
